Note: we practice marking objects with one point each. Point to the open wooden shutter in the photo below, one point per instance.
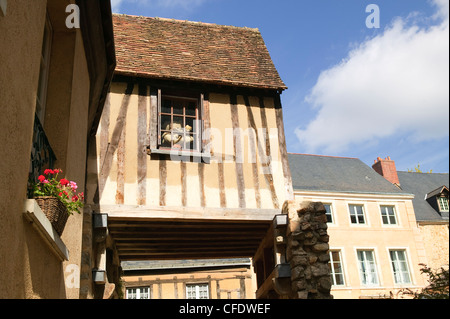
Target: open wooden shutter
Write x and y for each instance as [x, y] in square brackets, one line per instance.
[155, 119]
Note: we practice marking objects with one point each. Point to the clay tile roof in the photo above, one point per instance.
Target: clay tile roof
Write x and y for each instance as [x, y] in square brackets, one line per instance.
[184, 50]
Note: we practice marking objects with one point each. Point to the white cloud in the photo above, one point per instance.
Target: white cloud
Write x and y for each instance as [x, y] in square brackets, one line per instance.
[115, 5]
[395, 83]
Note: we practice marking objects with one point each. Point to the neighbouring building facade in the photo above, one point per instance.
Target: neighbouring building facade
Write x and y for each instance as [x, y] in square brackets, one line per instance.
[189, 160]
[54, 81]
[189, 279]
[375, 243]
[431, 207]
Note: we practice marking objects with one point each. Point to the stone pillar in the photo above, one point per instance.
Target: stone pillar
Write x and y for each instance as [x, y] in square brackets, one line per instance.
[307, 250]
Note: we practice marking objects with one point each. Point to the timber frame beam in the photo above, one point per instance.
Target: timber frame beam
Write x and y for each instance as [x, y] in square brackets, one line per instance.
[273, 273]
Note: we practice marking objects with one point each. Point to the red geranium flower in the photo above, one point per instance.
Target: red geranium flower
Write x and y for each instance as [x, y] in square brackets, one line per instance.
[64, 182]
[41, 178]
[49, 171]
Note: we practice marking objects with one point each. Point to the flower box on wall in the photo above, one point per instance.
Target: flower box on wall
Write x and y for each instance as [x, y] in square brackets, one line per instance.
[55, 211]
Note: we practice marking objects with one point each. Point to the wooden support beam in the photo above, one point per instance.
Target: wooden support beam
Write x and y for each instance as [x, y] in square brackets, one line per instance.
[114, 142]
[130, 212]
[238, 153]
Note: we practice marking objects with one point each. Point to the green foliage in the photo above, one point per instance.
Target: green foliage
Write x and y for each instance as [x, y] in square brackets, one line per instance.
[63, 189]
[438, 287]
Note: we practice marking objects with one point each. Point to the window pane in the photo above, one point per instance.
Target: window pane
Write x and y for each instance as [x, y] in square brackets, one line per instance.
[190, 108]
[177, 107]
[400, 267]
[166, 106]
[361, 219]
[443, 203]
[178, 123]
[357, 214]
[197, 291]
[328, 213]
[131, 293]
[181, 129]
[165, 122]
[145, 293]
[339, 280]
[335, 266]
[392, 220]
[367, 267]
[388, 215]
[189, 124]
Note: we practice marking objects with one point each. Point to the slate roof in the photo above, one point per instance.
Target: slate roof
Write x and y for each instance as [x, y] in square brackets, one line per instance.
[183, 264]
[337, 174]
[421, 184]
[183, 50]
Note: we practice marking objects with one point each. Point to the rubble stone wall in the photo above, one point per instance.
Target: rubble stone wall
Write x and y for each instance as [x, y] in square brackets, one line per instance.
[308, 250]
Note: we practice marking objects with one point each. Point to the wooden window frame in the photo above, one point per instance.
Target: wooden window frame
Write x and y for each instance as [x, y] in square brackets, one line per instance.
[183, 133]
[202, 153]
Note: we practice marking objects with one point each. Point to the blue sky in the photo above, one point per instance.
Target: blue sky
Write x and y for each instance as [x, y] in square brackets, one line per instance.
[352, 91]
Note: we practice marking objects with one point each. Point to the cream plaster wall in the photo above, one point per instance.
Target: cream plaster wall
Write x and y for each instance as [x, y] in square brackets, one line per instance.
[348, 238]
[29, 268]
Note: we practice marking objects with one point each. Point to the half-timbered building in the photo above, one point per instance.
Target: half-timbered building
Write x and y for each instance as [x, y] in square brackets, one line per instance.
[190, 158]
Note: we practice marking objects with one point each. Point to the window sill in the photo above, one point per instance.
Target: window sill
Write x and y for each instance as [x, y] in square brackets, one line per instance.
[34, 215]
[184, 156]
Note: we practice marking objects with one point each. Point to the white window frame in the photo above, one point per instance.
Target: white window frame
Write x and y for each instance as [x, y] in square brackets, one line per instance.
[365, 215]
[397, 223]
[441, 208]
[138, 292]
[197, 290]
[375, 267]
[333, 219]
[408, 263]
[332, 273]
[44, 70]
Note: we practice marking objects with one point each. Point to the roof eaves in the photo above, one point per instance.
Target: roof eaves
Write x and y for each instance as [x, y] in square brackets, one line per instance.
[130, 73]
[406, 195]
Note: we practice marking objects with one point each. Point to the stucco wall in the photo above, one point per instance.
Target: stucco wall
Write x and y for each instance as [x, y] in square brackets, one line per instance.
[18, 80]
[29, 268]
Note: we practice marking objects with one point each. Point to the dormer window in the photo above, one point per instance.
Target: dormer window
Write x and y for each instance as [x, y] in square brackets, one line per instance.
[438, 199]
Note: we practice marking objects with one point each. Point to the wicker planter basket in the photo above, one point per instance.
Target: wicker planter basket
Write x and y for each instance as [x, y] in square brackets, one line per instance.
[55, 211]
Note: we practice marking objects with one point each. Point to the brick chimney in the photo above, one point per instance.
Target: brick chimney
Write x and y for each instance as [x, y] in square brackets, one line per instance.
[386, 168]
